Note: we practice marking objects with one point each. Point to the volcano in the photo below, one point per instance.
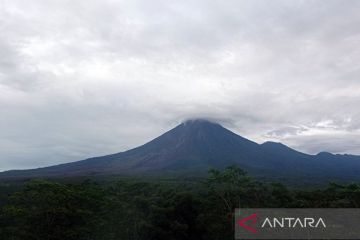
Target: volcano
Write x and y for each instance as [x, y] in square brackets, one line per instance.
[195, 146]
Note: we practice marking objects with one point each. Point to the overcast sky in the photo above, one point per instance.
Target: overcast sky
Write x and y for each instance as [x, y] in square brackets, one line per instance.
[85, 78]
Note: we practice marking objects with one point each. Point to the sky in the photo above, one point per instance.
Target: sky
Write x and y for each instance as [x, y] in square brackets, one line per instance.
[87, 78]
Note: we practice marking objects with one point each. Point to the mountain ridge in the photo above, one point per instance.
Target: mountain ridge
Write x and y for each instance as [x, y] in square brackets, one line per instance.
[194, 146]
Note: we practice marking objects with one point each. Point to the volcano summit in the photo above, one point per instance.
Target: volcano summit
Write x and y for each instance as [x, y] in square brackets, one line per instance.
[194, 146]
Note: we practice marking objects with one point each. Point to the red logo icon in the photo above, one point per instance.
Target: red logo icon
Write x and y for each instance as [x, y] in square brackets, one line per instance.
[251, 227]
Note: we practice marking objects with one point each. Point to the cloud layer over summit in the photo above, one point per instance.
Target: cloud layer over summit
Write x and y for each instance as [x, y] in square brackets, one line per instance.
[86, 78]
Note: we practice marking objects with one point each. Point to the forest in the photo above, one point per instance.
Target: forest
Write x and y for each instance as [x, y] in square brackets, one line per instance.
[134, 209]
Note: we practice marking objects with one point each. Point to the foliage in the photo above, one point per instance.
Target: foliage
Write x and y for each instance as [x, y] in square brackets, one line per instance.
[130, 209]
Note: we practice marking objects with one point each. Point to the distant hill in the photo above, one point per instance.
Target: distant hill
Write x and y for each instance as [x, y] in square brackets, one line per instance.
[194, 146]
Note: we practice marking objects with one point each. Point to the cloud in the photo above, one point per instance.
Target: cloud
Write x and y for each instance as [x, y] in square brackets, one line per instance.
[86, 78]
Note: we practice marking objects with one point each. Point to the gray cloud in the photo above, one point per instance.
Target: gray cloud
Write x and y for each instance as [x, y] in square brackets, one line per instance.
[86, 78]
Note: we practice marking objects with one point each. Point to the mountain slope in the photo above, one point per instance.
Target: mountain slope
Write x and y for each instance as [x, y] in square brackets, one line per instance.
[196, 145]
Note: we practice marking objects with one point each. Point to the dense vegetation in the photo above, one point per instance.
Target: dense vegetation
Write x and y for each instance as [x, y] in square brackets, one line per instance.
[132, 209]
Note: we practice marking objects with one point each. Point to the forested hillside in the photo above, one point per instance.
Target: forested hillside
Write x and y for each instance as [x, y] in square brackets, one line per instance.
[133, 209]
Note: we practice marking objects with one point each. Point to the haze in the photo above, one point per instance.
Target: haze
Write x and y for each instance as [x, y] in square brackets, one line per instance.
[87, 78]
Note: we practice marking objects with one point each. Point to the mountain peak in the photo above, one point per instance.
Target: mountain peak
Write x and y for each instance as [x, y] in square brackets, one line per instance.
[196, 145]
[199, 124]
[198, 121]
[270, 143]
[325, 154]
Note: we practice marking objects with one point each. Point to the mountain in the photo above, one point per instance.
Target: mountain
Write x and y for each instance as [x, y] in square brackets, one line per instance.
[194, 146]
